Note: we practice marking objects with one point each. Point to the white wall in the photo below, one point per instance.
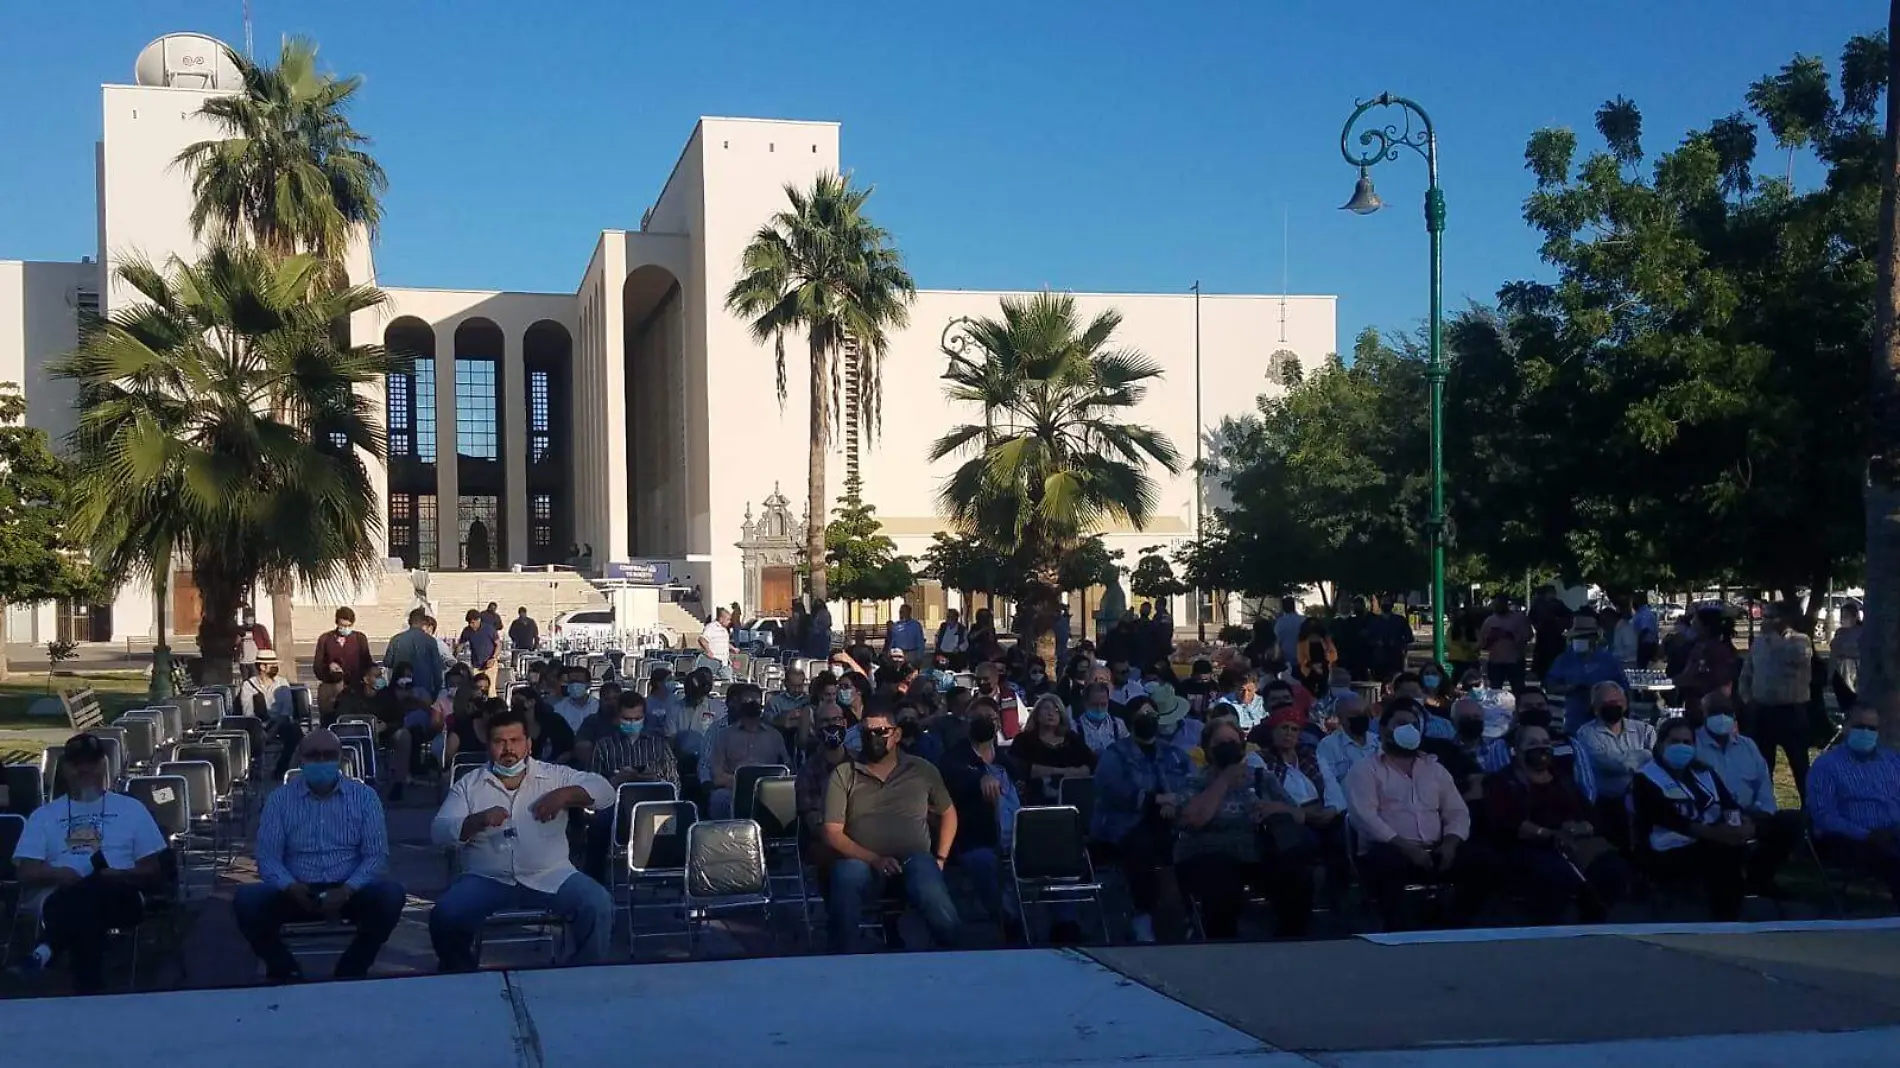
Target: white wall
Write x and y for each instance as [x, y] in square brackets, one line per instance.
[145, 201]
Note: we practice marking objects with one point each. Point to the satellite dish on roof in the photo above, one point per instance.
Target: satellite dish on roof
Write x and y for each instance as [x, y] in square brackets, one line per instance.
[186, 61]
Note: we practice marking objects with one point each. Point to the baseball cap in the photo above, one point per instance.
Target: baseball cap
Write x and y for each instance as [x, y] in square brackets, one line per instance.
[84, 749]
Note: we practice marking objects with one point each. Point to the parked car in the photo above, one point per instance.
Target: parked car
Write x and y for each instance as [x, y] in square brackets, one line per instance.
[764, 631]
[585, 625]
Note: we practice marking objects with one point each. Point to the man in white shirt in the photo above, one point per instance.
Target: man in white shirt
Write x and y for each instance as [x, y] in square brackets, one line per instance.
[83, 861]
[508, 823]
[576, 703]
[1356, 739]
[1737, 761]
[715, 643]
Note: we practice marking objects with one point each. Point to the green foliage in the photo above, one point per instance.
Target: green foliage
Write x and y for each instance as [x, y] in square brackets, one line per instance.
[181, 445]
[968, 564]
[40, 560]
[1089, 563]
[861, 562]
[288, 172]
[58, 651]
[1153, 576]
[1235, 634]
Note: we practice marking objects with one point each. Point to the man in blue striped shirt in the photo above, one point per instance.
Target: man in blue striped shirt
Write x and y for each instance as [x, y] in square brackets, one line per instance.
[322, 849]
[1854, 801]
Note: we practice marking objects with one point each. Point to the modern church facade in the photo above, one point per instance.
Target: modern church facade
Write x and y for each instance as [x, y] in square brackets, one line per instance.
[633, 416]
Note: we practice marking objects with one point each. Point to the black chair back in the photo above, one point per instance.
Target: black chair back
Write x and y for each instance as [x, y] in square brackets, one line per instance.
[21, 789]
[172, 720]
[1078, 793]
[657, 837]
[745, 778]
[256, 728]
[51, 778]
[215, 754]
[141, 738]
[775, 808]
[201, 784]
[360, 758]
[1049, 844]
[206, 708]
[350, 760]
[630, 794]
[168, 797]
[12, 826]
[726, 858]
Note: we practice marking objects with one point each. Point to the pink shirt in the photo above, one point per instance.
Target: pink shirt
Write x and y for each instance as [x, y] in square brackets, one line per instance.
[1504, 637]
[1386, 803]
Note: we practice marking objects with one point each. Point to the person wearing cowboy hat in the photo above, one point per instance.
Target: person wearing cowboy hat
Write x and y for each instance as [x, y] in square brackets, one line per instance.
[1586, 662]
[1171, 710]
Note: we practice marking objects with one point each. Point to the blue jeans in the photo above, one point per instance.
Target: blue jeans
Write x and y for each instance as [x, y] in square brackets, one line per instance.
[471, 899]
[262, 911]
[986, 873]
[720, 803]
[852, 883]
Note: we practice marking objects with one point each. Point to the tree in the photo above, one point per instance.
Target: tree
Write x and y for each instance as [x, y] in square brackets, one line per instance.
[39, 559]
[824, 268]
[290, 174]
[969, 565]
[177, 399]
[861, 561]
[1880, 645]
[1153, 577]
[1054, 457]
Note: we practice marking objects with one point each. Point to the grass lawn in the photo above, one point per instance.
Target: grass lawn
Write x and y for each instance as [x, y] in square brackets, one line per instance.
[118, 691]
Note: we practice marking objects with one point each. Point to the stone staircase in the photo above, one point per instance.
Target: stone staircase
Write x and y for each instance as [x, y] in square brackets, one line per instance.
[544, 593]
[682, 622]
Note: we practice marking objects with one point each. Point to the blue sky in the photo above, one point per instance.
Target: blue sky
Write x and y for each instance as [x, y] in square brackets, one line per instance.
[1115, 145]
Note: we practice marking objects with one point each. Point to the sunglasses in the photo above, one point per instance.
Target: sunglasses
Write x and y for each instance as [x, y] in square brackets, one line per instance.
[880, 732]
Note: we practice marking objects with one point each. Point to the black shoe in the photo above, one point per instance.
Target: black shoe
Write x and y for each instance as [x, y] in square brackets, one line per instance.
[1065, 933]
[395, 792]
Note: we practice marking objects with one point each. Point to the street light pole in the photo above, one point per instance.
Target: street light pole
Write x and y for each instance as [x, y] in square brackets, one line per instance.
[1200, 432]
[1377, 144]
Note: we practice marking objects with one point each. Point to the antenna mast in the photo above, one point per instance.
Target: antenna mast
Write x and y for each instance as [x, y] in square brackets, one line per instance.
[247, 30]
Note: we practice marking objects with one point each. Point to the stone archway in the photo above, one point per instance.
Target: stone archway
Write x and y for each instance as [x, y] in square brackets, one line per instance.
[769, 548]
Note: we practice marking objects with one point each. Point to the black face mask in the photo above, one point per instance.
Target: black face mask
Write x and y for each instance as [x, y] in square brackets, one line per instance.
[909, 730]
[748, 711]
[873, 748]
[983, 731]
[1227, 754]
[1611, 713]
[833, 737]
[1470, 729]
[1144, 728]
[1537, 759]
[1358, 724]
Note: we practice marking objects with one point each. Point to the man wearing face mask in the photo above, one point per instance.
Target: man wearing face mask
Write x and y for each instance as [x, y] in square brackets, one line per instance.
[630, 753]
[746, 740]
[984, 792]
[1099, 729]
[322, 853]
[1413, 824]
[877, 811]
[1533, 710]
[1140, 784]
[1355, 740]
[1540, 823]
[1854, 800]
[82, 862]
[343, 653]
[1582, 666]
[1008, 703]
[576, 703]
[1738, 763]
[1617, 748]
[1775, 684]
[827, 752]
[1459, 753]
[1690, 825]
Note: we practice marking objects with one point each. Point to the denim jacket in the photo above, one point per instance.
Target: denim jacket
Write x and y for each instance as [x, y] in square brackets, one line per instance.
[1127, 777]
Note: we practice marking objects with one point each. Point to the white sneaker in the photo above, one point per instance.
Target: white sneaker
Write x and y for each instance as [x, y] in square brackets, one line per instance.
[1143, 926]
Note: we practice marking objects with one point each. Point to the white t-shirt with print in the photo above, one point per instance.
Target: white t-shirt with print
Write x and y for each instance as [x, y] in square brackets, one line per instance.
[718, 641]
[67, 833]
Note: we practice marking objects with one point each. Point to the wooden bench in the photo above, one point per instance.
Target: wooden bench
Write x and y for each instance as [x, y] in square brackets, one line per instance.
[82, 708]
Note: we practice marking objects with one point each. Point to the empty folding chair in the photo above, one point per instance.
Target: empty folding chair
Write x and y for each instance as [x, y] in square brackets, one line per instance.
[725, 872]
[1049, 861]
[258, 729]
[21, 790]
[744, 778]
[626, 796]
[205, 829]
[51, 779]
[172, 720]
[656, 860]
[775, 810]
[167, 798]
[364, 765]
[216, 754]
[239, 743]
[206, 709]
[1078, 792]
[302, 707]
[141, 739]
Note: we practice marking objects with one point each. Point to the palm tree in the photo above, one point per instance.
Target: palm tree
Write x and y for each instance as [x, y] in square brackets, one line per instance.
[823, 267]
[1055, 457]
[290, 174]
[220, 419]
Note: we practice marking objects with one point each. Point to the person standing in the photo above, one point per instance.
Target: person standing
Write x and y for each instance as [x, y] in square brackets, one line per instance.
[1648, 632]
[1550, 618]
[1286, 626]
[483, 643]
[905, 635]
[715, 643]
[253, 638]
[417, 649]
[491, 617]
[345, 649]
[953, 638]
[523, 633]
[817, 644]
[1774, 684]
[1504, 639]
[83, 861]
[322, 853]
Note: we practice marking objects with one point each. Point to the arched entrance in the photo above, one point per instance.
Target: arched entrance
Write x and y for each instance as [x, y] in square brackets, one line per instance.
[409, 415]
[481, 480]
[657, 414]
[547, 356]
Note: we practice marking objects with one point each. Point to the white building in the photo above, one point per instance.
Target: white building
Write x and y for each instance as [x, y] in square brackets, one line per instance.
[634, 414]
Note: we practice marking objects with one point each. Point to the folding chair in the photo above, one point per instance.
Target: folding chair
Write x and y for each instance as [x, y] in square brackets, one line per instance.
[626, 796]
[744, 779]
[1049, 863]
[465, 763]
[363, 764]
[656, 860]
[167, 798]
[12, 826]
[725, 872]
[113, 739]
[522, 927]
[171, 719]
[206, 824]
[258, 729]
[1078, 792]
[51, 779]
[142, 730]
[21, 791]
[239, 743]
[207, 709]
[775, 810]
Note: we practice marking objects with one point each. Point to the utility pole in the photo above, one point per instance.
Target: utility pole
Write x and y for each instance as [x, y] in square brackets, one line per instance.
[1200, 477]
[247, 30]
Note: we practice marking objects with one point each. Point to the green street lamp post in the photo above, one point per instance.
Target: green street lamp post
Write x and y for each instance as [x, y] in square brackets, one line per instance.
[1379, 143]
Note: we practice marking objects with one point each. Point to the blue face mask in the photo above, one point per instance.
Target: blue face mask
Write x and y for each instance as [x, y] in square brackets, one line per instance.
[508, 771]
[381, 682]
[1677, 755]
[1431, 682]
[577, 690]
[1862, 740]
[321, 774]
[632, 728]
[1095, 715]
[844, 698]
[1721, 725]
